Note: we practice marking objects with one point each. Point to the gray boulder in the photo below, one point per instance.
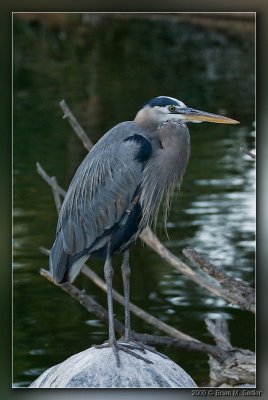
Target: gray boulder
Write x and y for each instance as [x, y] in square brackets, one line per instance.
[96, 368]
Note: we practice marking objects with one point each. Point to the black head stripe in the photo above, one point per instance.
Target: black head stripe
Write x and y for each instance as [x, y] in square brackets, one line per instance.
[161, 101]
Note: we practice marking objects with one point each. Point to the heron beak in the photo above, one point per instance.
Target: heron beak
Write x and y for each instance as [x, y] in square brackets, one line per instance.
[193, 115]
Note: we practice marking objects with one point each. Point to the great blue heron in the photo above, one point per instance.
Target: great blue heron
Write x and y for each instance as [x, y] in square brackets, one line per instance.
[116, 192]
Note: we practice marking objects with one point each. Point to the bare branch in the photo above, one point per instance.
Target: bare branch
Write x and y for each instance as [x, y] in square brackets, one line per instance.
[241, 287]
[49, 180]
[67, 113]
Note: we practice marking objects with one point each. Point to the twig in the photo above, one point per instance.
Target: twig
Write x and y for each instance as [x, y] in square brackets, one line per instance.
[67, 113]
[49, 180]
[249, 153]
[241, 287]
[139, 312]
[92, 306]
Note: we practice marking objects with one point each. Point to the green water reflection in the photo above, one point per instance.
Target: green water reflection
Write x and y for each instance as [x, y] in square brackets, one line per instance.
[105, 71]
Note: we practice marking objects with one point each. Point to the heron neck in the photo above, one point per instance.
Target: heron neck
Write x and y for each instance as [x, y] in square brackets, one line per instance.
[146, 120]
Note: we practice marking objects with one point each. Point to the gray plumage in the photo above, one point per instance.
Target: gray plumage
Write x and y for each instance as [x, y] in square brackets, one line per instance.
[117, 191]
[102, 189]
[164, 170]
[104, 185]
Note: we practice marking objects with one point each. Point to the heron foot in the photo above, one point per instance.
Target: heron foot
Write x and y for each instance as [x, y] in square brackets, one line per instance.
[127, 347]
[143, 347]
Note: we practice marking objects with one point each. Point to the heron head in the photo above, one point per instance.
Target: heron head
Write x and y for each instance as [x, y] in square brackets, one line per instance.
[163, 109]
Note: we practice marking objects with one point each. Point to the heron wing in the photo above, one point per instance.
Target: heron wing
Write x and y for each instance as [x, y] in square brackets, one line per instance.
[103, 187]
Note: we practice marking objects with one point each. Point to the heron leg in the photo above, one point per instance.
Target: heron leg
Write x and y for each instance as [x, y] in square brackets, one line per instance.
[128, 342]
[125, 269]
[108, 273]
[116, 346]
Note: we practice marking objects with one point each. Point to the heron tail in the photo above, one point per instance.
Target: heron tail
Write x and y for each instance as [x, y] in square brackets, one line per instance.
[64, 267]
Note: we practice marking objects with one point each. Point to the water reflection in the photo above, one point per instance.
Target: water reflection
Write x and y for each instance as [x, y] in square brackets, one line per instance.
[38, 352]
[179, 300]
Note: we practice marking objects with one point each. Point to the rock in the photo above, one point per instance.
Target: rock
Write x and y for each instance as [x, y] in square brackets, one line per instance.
[96, 368]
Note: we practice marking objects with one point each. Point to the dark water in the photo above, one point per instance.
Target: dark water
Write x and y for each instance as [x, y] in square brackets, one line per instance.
[106, 71]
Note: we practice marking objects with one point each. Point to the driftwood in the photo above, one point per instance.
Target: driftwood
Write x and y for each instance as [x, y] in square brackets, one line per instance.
[237, 368]
[228, 365]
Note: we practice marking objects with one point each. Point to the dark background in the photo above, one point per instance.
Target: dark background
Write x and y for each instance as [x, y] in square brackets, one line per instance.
[106, 66]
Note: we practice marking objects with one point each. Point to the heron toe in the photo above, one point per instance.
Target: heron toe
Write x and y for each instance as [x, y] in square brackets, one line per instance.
[127, 347]
[143, 347]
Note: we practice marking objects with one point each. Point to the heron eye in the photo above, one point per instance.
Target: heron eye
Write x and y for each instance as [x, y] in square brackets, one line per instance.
[171, 108]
